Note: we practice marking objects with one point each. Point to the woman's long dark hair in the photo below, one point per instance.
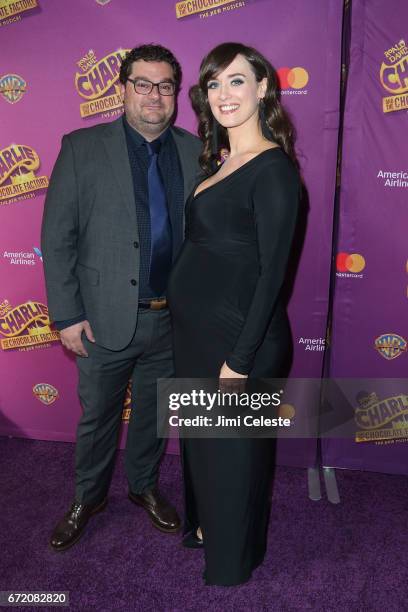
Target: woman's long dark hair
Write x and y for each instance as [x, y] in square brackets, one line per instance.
[275, 122]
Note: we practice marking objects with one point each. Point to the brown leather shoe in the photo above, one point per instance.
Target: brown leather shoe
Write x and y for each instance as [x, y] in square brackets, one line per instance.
[161, 513]
[71, 527]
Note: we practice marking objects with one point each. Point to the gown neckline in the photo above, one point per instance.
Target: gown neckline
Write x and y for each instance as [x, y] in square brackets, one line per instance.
[222, 180]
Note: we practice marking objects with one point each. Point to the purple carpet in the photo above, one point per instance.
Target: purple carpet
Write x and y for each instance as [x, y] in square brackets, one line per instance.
[348, 557]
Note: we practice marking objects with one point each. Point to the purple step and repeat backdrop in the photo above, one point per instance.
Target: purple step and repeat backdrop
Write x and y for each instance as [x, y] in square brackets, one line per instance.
[59, 65]
[370, 324]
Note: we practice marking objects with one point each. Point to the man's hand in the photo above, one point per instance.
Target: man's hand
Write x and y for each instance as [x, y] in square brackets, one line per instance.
[71, 337]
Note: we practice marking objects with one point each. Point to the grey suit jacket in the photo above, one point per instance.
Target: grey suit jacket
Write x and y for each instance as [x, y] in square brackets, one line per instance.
[89, 232]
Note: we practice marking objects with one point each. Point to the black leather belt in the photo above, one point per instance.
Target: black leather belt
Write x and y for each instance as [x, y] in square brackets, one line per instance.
[156, 304]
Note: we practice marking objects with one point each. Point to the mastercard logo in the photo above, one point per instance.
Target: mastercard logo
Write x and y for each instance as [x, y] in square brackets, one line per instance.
[293, 78]
[353, 262]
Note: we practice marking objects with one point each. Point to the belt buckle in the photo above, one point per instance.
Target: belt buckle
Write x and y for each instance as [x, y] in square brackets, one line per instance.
[158, 304]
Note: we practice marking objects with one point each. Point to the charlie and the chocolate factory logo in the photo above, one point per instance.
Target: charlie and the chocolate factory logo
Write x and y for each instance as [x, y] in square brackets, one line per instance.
[18, 180]
[11, 10]
[97, 82]
[206, 8]
[25, 325]
[394, 77]
[381, 419]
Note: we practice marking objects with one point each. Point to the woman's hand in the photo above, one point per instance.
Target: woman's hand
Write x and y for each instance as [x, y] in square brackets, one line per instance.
[230, 381]
[226, 372]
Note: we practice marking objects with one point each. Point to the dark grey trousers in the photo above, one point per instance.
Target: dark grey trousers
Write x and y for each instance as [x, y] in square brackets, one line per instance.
[103, 379]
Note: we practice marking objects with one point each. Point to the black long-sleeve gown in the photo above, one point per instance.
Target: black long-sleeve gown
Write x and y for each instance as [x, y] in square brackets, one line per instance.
[224, 296]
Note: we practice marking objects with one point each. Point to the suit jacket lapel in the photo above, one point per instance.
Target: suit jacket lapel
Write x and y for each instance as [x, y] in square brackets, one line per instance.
[116, 148]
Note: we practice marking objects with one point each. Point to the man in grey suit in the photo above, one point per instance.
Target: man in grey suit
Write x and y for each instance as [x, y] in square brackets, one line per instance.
[113, 225]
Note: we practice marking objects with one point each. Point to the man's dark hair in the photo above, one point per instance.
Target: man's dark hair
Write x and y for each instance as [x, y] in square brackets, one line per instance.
[150, 53]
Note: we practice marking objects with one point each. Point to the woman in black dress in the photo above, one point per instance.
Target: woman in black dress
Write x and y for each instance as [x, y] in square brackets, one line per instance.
[224, 293]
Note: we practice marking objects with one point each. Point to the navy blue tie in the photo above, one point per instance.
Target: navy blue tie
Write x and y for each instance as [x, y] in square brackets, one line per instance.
[160, 228]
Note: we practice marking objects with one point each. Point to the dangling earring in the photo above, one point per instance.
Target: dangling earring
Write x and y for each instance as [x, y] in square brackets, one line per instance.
[266, 130]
